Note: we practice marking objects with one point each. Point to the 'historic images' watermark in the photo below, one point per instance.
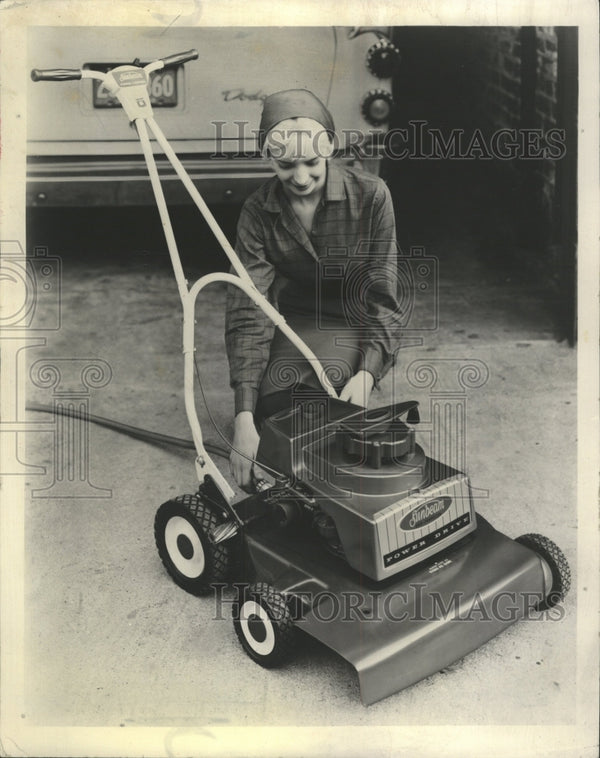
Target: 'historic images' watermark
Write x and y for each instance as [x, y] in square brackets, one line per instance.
[415, 141]
[415, 603]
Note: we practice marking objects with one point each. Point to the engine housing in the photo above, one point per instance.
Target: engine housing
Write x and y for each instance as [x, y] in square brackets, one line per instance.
[392, 506]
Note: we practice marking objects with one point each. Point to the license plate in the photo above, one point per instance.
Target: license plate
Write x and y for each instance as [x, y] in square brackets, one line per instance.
[162, 87]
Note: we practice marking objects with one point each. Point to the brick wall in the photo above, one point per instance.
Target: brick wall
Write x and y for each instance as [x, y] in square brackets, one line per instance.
[547, 70]
[517, 73]
[520, 212]
[498, 53]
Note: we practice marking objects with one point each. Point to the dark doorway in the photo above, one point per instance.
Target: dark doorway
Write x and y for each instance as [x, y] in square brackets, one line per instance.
[488, 216]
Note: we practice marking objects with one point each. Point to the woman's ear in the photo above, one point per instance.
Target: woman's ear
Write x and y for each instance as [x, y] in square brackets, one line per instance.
[325, 145]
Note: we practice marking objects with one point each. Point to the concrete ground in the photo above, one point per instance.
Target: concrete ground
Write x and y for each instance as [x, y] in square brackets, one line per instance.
[112, 641]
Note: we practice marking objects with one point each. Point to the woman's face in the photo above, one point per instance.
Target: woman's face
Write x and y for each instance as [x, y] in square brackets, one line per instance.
[298, 150]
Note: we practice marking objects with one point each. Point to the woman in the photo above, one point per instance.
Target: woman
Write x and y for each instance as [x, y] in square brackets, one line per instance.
[319, 243]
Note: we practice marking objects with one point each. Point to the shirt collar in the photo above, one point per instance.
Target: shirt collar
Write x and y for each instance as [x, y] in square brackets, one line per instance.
[334, 189]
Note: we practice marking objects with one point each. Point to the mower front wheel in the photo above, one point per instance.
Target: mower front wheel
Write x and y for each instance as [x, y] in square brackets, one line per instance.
[181, 531]
[264, 625]
[557, 564]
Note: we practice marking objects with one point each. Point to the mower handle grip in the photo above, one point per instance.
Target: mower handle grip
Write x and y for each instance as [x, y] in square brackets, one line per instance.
[177, 58]
[55, 74]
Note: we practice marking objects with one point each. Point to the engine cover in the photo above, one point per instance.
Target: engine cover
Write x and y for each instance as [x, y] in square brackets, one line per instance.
[392, 505]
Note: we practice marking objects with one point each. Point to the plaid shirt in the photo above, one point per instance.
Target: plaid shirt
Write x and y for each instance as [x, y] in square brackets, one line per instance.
[344, 269]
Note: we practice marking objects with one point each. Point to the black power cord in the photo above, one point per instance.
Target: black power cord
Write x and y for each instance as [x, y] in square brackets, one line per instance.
[132, 431]
[262, 465]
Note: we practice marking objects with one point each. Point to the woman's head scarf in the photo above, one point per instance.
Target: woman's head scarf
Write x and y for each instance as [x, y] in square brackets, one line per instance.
[293, 103]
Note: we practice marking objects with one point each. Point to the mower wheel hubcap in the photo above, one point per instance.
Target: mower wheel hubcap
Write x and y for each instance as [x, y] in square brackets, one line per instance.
[184, 547]
[257, 627]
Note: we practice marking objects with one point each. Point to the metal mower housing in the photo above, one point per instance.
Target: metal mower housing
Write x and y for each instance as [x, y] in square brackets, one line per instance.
[391, 505]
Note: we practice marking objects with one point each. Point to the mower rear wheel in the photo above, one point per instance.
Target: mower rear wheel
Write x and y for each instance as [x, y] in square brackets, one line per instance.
[264, 626]
[181, 531]
[558, 565]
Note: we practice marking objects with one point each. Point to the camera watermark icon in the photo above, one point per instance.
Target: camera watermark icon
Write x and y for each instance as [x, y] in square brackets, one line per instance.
[31, 289]
[376, 290]
[30, 306]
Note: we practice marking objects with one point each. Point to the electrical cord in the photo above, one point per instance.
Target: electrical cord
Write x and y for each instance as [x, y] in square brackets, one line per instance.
[132, 431]
[263, 466]
[146, 435]
[157, 438]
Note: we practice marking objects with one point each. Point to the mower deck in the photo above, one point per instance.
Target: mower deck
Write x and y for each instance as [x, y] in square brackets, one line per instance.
[400, 630]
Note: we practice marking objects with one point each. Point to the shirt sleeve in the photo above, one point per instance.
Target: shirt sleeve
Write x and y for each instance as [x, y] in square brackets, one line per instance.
[384, 318]
[248, 332]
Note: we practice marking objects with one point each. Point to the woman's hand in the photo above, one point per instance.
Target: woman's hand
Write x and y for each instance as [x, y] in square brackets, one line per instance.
[358, 389]
[245, 443]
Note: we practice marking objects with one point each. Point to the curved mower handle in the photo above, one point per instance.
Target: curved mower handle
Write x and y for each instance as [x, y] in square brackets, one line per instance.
[55, 74]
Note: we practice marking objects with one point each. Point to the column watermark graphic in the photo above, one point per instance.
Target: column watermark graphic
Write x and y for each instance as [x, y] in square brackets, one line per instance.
[71, 380]
[448, 380]
[30, 312]
[13, 426]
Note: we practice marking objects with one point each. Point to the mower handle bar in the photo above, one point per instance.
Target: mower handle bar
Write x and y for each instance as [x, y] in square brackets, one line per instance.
[67, 74]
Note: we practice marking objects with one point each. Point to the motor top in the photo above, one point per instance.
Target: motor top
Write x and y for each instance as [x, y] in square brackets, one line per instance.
[369, 452]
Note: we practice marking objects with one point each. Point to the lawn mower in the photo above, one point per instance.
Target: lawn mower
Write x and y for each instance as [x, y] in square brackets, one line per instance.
[356, 536]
